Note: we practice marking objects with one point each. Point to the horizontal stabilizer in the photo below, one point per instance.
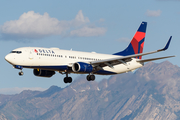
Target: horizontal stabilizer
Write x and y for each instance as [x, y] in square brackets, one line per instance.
[152, 59]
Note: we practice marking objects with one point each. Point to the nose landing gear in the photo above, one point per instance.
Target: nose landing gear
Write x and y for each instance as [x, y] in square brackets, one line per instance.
[21, 73]
[20, 68]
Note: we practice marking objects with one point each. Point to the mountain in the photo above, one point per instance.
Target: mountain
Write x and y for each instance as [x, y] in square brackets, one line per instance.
[151, 93]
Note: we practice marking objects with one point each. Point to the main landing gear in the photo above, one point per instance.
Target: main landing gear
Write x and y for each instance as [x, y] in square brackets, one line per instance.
[67, 79]
[90, 77]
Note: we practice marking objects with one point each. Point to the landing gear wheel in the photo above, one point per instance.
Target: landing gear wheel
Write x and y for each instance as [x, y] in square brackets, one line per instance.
[67, 80]
[21, 73]
[90, 77]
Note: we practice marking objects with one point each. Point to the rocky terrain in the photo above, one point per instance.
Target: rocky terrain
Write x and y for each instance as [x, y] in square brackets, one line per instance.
[151, 93]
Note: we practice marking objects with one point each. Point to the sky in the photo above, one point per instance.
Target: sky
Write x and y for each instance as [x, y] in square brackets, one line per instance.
[82, 25]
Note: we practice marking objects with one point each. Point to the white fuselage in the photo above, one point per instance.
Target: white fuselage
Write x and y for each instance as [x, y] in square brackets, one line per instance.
[58, 60]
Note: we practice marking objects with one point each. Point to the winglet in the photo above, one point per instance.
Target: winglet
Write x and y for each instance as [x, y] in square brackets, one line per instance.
[167, 45]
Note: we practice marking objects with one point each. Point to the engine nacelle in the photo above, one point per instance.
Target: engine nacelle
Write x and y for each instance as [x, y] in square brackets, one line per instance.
[82, 67]
[43, 73]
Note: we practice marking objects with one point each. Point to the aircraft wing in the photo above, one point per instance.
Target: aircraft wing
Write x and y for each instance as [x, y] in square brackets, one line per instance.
[123, 59]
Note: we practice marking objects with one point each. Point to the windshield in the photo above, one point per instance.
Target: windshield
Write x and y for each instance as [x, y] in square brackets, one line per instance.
[18, 52]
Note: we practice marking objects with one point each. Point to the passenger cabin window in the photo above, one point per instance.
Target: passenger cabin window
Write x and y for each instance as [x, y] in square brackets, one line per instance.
[18, 52]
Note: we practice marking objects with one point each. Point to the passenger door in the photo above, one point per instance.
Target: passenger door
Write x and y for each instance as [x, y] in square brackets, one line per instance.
[31, 54]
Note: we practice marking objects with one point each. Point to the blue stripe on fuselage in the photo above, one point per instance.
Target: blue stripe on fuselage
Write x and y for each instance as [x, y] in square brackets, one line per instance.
[103, 72]
[54, 68]
[63, 68]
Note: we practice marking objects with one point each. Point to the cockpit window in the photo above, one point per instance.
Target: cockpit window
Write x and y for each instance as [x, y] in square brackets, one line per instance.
[18, 52]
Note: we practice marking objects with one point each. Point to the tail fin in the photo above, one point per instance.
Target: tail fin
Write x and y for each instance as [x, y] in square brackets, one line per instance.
[137, 43]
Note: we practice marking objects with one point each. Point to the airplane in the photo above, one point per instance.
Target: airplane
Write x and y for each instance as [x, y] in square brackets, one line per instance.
[46, 61]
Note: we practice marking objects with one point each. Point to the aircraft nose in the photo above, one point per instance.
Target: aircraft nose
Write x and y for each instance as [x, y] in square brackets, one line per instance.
[8, 58]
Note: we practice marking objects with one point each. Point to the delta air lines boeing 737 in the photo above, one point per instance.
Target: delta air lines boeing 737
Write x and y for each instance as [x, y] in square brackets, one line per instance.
[45, 61]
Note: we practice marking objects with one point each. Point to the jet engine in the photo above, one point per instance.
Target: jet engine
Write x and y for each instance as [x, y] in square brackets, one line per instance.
[43, 73]
[82, 67]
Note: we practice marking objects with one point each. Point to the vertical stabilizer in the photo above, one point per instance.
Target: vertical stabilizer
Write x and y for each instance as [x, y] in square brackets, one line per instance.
[137, 43]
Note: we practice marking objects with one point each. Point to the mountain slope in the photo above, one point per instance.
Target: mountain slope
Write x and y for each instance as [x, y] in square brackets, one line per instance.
[152, 92]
